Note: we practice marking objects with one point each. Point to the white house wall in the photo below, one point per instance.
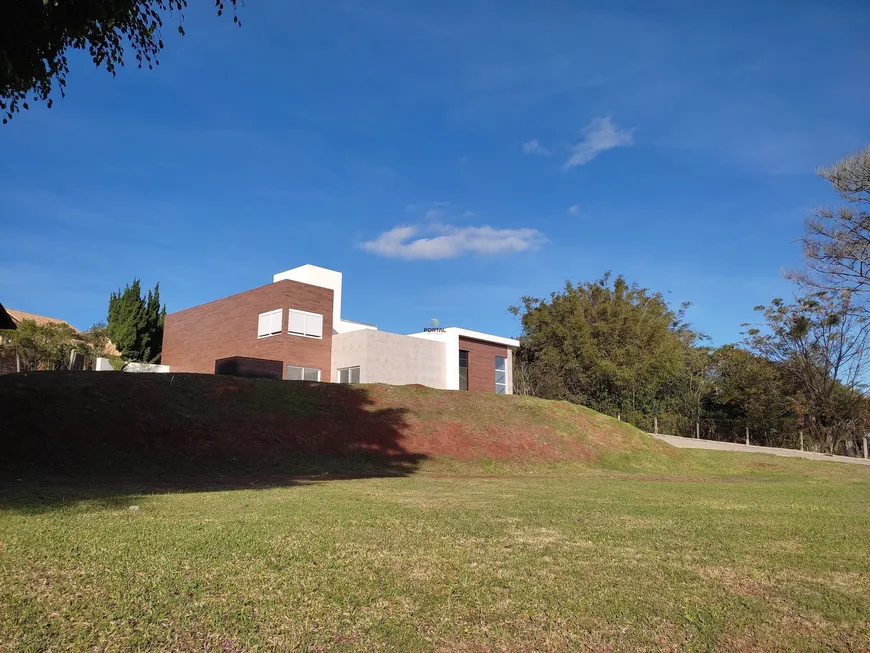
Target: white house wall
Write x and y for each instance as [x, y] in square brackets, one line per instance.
[450, 339]
[324, 278]
[385, 357]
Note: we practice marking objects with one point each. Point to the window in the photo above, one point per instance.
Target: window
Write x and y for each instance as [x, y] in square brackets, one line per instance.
[500, 375]
[269, 324]
[295, 373]
[348, 374]
[463, 369]
[301, 323]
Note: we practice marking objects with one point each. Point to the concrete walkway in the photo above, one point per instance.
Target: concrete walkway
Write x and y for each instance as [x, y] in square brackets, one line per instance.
[693, 443]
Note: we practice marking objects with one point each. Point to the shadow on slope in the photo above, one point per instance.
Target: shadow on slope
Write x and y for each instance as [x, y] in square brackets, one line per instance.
[67, 437]
[72, 436]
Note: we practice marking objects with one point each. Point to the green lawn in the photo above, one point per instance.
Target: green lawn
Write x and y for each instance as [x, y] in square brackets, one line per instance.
[770, 554]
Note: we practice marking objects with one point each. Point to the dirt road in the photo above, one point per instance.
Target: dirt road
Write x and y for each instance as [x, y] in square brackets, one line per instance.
[692, 443]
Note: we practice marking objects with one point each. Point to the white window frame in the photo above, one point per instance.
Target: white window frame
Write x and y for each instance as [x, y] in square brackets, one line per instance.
[303, 368]
[271, 314]
[497, 384]
[304, 334]
[348, 370]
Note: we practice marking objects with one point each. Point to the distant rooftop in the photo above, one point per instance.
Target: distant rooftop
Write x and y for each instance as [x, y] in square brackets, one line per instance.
[20, 316]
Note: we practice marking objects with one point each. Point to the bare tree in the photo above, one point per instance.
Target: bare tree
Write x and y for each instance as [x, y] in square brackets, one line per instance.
[836, 242]
[821, 343]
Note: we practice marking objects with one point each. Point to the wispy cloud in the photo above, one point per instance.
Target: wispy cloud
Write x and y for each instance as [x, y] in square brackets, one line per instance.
[435, 241]
[599, 135]
[574, 209]
[534, 147]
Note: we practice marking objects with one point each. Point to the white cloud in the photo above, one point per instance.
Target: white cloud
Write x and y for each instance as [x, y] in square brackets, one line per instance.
[440, 241]
[599, 135]
[534, 147]
[574, 209]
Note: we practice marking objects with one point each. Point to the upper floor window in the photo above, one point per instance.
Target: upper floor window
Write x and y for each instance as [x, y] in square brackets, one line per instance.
[500, 375]
[302, 323]
[269, 324]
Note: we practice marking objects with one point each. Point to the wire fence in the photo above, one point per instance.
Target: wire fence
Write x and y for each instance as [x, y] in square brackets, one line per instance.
[789, 436]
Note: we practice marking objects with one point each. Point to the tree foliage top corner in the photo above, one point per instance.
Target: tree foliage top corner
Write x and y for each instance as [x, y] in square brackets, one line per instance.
[37, 35]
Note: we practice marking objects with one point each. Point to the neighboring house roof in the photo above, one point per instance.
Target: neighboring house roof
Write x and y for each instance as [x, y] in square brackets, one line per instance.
[111, 349]
[6, 321]
[19, 316]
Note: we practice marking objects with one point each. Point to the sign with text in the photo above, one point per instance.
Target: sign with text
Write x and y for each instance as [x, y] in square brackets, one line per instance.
[433, 327]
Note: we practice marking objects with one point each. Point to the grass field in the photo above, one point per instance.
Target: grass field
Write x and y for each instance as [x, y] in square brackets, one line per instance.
[633, 548]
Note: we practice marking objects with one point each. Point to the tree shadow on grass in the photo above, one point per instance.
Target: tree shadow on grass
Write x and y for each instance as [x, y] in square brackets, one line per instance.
[100, 438]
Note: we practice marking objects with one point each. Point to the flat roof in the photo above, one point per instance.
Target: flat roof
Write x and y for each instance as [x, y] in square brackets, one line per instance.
[344, 319]
[488, 337]
[474, 335]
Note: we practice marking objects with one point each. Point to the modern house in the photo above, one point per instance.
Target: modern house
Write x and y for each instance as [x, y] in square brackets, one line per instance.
[293, 329]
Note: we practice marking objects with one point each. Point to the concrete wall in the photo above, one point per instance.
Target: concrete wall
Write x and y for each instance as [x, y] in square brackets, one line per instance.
[103, 365]
[349, 350]
[385, 357]
[148, 368]
[450, 339]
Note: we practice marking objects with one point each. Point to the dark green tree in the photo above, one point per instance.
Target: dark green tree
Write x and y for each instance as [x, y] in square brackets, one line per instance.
[610, 345]
[135, 323]
[126, 320]
[152, 337]
[751, 391]
[36, 35]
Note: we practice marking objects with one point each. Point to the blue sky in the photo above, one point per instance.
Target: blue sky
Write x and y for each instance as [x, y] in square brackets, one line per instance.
[447, 157]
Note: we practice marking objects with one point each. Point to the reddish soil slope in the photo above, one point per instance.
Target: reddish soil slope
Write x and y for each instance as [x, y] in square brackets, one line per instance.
[115, 422]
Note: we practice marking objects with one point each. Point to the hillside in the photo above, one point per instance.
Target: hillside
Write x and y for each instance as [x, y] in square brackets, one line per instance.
[123, 423]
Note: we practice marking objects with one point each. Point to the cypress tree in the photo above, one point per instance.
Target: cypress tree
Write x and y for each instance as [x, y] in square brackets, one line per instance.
[152, 337]
[135, 323]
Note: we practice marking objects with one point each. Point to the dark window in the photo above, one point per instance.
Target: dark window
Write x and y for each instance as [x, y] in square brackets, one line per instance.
[254, 368]
[500, 375]
[463, 369]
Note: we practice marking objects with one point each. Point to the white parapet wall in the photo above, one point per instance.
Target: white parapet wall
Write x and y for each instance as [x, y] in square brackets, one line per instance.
[449, 338]
[103, 365]
[324, 278]
[385, 357]
[148, 368]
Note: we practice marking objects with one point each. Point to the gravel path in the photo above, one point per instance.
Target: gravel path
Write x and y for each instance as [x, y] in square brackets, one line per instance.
[692, 443]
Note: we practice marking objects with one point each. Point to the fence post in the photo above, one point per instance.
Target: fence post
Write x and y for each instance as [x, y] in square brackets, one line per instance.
[697, 430]
[656, 425]
[802, 440]
[747, 436]
[865, 447]
[619, 417]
